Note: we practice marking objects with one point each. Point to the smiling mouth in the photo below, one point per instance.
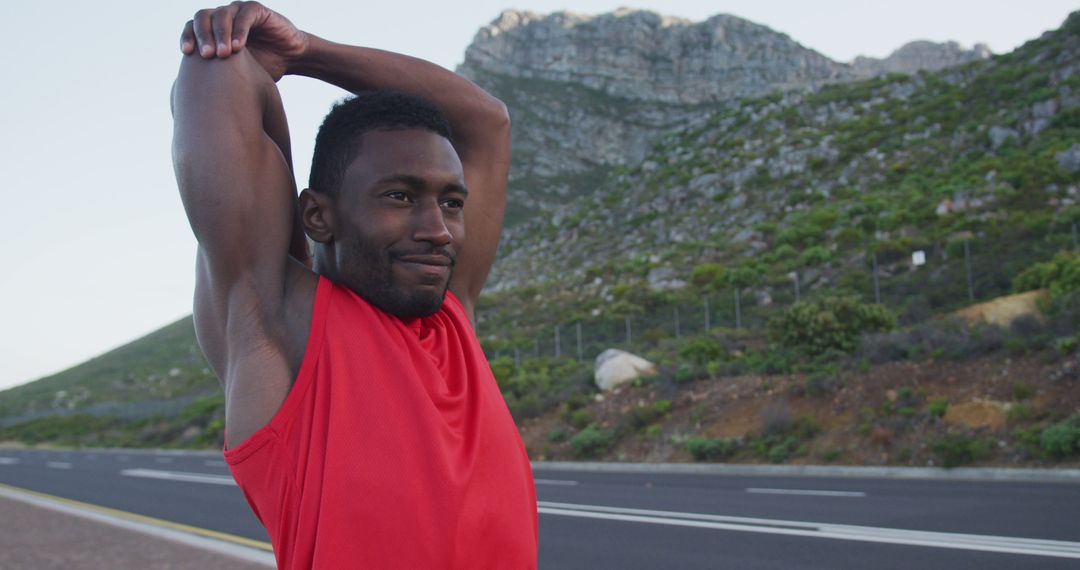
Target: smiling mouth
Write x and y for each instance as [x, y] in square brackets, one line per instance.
[435, 259]
[433, 269]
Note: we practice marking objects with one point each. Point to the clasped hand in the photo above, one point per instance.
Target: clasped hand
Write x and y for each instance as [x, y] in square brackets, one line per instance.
[220, 32]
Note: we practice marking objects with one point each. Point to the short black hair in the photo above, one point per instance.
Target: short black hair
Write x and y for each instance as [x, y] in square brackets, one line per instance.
[338, 140]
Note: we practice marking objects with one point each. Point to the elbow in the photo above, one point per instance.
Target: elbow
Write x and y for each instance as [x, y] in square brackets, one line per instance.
[500, 115]
[496, 119]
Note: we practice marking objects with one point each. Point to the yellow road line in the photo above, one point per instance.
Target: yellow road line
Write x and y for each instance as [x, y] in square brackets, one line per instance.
[259, 544]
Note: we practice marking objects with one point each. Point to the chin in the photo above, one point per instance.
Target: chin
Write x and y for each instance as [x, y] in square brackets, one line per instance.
[410, 306]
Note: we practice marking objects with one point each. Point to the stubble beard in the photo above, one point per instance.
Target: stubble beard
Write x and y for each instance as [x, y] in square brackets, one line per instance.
[370, 274]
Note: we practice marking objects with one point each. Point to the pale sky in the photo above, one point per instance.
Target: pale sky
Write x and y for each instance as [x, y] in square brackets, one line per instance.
[105, 254]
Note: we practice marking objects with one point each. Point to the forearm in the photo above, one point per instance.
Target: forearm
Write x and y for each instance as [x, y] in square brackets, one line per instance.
[474, 115]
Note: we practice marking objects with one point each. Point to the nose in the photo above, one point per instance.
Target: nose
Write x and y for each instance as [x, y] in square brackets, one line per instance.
[430, 225]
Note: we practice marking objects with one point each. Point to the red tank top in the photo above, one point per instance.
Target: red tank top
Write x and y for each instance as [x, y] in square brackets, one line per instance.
[393, 449]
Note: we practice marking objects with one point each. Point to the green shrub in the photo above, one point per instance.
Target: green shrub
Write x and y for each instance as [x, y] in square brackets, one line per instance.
[557, 436]
[709, 277]
[1018, 413]
[831, 323]
[702, 350]
[814, 256]
[593, 442]
[938, 408]
[642, 416]
[806, 427]
[702, 449]
[957, 450]
[581, 418]
[1062, 439]
[525, 407]
[1061, 275]
[684, 373]
[502, 369]
[576, 401]
[776, 448]
[1022, 391]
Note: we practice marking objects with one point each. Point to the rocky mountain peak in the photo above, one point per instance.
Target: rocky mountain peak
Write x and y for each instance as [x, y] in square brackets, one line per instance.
[642, 55]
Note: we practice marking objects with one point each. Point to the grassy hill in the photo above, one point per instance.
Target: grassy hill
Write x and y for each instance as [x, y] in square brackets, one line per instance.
[133, 380]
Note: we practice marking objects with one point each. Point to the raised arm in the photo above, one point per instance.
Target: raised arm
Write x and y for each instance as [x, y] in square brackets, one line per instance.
[230, 148]
[479, 122]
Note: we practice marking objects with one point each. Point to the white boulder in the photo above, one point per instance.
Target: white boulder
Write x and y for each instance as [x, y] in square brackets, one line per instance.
[615, 367]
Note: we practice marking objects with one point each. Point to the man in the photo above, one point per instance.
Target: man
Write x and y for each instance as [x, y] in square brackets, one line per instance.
[363, 423]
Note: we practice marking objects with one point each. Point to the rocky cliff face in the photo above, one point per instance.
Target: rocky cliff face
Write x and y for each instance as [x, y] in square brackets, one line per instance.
[644, 56]
[920, 55]
[588, 93]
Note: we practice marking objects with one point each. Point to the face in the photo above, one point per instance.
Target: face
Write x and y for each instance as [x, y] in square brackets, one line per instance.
[399, 221]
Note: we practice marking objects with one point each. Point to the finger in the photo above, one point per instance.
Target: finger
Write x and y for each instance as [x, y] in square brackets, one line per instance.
[242, 23]
[204, 36]
[187, 39]
[222, 24]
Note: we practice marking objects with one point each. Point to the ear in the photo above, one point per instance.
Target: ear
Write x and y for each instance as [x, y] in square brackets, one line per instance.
[316, 215]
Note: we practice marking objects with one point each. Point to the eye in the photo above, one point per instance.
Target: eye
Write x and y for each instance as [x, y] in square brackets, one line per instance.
[454, 203]
[399, 195]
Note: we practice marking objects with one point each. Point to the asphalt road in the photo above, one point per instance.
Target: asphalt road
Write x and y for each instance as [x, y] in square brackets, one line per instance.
[645, 521]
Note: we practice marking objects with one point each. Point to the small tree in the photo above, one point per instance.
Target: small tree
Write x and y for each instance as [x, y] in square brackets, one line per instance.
[830, 323]
[709, 277]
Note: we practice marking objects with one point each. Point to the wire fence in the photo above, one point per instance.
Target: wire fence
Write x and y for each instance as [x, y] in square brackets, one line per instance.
[915, 284]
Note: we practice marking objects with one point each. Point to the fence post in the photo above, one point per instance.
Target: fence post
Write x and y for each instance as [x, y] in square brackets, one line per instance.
[798, 294]
[580, 352]
[877, 284]
[629, 336]
[536, 348]
[678, 332]
[708, 324]
[558, 345]
[1075, 244]
[517, 358]
[967, 268]
[738, 308]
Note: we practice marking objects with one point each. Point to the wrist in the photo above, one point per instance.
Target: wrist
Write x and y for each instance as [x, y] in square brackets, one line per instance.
[307, 61]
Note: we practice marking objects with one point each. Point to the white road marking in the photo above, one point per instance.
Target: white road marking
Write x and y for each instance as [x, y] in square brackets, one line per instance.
[554, 482]
[8, 460]
[984, 543]
[58, 464]
[163, 459]
[805, 492]
[180, 476]
[213, 463]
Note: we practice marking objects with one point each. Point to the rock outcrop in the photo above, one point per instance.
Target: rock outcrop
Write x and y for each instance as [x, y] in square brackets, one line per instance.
[918, 56]
[640, 55]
